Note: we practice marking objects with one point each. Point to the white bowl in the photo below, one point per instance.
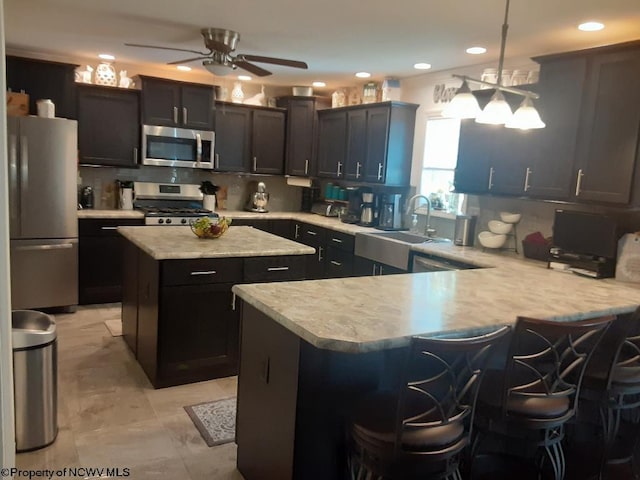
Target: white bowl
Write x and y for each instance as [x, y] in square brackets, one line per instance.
[496, 226]
[491, 240]
[508, 217]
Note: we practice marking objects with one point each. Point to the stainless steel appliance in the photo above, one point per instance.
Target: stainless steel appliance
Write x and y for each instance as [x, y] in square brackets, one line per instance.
[424, 262]
[326, 209]
[464, 232]
[86, 197]
[367, 213]
[177, 147]
[169, 203]
[43, 218]
[352, 215]
[391, 212]
[259, 199]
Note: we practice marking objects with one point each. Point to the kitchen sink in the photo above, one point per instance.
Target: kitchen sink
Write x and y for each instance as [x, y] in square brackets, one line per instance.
[390, 248]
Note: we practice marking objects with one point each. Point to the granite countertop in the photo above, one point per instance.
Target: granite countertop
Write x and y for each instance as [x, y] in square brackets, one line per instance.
[91, 213]
[166, 243]
[372, 313]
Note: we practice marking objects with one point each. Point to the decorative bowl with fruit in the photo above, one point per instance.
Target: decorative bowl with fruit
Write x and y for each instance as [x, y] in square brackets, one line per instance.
[210, 227]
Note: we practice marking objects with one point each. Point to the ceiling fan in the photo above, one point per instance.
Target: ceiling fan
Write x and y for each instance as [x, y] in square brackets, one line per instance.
[219, 59]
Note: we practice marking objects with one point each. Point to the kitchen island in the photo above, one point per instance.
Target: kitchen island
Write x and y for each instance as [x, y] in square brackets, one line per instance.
[308, 349]
[178, 312]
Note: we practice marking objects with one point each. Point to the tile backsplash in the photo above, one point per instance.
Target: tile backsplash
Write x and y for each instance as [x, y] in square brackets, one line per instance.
[282, 197]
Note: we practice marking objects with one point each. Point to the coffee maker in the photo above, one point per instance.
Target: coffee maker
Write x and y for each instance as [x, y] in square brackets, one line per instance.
[367, 210]
[352, 214]
[391, 212]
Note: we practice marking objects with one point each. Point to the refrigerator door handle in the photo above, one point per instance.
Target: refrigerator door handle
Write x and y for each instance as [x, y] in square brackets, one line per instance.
[24, 176]
[61, 246]
[13, 183]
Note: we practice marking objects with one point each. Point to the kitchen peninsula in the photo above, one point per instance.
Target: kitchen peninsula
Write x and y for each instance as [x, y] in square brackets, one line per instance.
[310, 348]
[178, 311]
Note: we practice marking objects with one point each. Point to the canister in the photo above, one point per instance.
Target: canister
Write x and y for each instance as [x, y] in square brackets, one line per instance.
[465, 230]
[46, 108]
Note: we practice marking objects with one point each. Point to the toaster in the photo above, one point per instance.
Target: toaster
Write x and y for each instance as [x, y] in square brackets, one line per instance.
[325, 209]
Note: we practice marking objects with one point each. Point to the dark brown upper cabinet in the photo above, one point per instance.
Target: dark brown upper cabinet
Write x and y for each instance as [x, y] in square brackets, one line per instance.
[177, 104]
[118, 145]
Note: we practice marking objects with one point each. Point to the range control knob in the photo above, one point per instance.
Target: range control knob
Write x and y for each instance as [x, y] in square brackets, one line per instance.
[168, 220]
[184, 220]
[161, 221]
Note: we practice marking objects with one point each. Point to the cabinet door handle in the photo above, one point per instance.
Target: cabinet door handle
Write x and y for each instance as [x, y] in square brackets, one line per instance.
[579, 182]
[203, 272]
[381, 273]
[61, 246]
[491, 170]
[526, 180]
[339, 172]
[374, 270]
[175, 114]
[266, 367]
[358, 165]
[309, 232]
[255, 163]
[185, 112]
[337, 264]
[337, 240]
[297, 232]
[277, 269]
[135, 155]
[217, 157]
[306, 167]
[380, 171]
[198, 149]
[108, 228]
[233, 302]
[320, 257]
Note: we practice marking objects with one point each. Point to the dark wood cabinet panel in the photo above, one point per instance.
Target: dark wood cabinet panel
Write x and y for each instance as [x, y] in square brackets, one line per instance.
[198, 271]
[233, 139]
[356, 144]
[148, 310]
[268, 142]
[100, 260]
[473, 172]
[43, 79]
[197, 106]
[610, 128]
[275, 269]
[301, 124]
[363, 267]
[332, 143]
[129, 266]
[118, 143]
[375, 165]
[339, 262]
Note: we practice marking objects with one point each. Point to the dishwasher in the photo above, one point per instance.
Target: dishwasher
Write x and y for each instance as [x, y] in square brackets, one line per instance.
[426, 262]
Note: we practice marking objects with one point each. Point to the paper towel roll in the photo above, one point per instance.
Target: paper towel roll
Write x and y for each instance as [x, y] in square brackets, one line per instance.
[299, 181]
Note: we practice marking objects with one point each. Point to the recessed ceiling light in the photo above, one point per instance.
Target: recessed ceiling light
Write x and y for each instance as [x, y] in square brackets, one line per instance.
[422, 66]
[590, 26]
[319, 84]
[244, 77]
[363, 74]
[476, 50]
[106, 56]
[183, 68]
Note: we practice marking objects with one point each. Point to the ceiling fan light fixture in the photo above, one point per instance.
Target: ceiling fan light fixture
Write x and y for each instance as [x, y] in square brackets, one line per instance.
[219, 70]
[526, 117]
[463, 105]
[497, 111]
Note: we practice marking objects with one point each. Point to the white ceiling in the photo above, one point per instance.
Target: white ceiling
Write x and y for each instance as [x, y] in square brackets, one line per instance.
[335, 37]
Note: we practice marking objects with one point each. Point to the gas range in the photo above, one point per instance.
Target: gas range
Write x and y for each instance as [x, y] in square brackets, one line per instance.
[169, 204]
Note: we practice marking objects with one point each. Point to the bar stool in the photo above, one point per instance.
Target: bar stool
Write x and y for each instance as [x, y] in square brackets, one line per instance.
[523, 408]
[420, 431]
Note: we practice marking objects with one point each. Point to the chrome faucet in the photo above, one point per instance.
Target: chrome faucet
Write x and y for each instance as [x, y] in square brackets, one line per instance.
[414, 216]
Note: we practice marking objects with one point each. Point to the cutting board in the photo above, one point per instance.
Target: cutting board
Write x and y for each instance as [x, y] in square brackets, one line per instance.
[17, 104]
[628, 263]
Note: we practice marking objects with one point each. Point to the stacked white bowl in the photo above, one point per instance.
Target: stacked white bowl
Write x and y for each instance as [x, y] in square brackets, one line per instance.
[498, 230]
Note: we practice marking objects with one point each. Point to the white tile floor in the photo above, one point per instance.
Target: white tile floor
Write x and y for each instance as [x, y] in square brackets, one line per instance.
[109, 415]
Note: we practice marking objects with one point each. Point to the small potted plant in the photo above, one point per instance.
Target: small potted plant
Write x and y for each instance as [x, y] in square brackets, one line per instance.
[209, 190]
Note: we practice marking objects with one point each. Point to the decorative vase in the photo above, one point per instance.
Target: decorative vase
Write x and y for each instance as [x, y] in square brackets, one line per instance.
[237, 95]
[106, 75]
[209, 202]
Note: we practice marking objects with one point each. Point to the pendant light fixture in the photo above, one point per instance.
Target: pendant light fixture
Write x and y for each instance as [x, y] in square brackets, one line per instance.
[497, 111]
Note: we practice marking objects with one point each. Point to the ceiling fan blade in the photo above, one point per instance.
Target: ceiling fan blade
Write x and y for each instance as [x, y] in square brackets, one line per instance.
[167, 48]
[250, 67]
[275, 61]
[179, 62]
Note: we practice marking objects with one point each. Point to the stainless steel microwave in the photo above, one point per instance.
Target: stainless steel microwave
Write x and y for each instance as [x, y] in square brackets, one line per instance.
[177, 147]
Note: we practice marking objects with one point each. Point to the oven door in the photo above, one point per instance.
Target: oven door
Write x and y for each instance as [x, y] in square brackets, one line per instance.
[177, 147]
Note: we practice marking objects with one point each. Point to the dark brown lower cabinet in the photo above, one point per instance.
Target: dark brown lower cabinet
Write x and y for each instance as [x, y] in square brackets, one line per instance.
[363, 267]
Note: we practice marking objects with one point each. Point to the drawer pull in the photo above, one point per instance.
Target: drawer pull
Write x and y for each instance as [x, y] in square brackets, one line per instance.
[277, 269]
[297, 233]
[108, 228]
[337, 264]
[203, 272]
[312, 233]
[337, 240]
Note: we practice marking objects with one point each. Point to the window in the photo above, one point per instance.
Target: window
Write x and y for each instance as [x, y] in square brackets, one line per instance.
[439, 163]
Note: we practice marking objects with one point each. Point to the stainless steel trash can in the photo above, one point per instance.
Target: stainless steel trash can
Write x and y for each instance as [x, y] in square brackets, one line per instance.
[34, 378]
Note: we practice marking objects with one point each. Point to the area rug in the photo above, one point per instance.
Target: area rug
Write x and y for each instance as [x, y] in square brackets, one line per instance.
[216, 421]
[114, 326]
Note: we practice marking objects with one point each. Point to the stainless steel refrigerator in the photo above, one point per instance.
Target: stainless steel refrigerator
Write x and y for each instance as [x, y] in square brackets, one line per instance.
[43, 211]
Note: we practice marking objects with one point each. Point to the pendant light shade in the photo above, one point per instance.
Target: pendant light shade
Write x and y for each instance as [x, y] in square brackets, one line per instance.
[497, 111]
[463, 105]
[526, 117]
